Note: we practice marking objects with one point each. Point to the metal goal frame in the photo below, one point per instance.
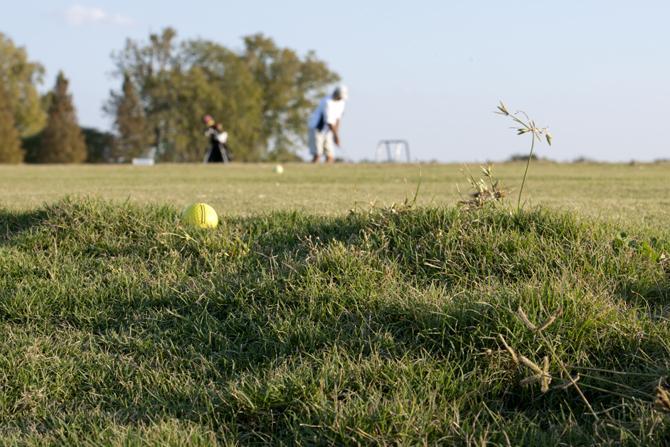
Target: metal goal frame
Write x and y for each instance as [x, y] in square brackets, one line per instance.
[394, 150]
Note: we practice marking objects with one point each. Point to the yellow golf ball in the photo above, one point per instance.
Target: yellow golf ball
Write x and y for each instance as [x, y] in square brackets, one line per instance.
[200, 215]
[279, 169]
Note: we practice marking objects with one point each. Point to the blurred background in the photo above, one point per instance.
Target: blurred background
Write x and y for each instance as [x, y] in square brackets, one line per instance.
[430, 72]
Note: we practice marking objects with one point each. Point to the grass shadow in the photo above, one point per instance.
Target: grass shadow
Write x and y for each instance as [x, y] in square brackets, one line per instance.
[13, 223]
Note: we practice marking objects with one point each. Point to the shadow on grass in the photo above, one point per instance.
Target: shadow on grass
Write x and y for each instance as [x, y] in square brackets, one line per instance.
[298, 230]
[12, 224]
[654, 295]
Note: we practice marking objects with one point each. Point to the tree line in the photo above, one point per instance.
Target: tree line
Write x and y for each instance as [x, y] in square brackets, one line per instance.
[261, 94]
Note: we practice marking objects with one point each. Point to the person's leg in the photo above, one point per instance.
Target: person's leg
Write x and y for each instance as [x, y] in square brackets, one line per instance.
[225, 153]
[314, 146]
[216, 156]
[328, 145]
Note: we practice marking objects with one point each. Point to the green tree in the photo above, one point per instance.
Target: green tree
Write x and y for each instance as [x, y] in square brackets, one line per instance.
[62, 140]
[10, 142]
[151, 67]
[20, 78]
[130, 122]
[100, 145]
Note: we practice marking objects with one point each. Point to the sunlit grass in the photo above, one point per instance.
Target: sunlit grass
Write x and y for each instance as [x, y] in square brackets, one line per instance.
[629, 194]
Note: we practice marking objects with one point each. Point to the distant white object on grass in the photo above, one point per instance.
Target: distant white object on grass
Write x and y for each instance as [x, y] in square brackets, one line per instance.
[147, 159]
[279, 169]
[143, 162]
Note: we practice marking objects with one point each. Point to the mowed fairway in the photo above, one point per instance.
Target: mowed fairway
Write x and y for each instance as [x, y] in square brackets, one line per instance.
[638, 194]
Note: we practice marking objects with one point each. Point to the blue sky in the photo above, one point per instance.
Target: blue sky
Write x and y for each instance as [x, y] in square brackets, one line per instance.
[596, 72]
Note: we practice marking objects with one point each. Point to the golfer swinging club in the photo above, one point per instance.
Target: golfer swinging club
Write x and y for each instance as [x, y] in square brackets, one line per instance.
[324, 125]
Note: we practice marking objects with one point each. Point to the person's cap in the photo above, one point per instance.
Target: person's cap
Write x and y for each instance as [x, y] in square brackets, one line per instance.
[341, 91]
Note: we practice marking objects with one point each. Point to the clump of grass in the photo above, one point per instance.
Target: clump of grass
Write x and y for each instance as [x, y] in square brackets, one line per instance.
[542, 375]
[120, 326]
[662, 399]
[485, 190]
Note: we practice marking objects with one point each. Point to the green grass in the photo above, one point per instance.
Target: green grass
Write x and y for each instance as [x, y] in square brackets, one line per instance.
[379, 326]
[637, 194]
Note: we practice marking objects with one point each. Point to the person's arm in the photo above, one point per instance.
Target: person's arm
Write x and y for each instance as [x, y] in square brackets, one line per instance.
[333, 121]
[336, 132]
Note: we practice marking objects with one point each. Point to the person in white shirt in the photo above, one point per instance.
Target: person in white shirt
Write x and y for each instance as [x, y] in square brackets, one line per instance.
[324, 125]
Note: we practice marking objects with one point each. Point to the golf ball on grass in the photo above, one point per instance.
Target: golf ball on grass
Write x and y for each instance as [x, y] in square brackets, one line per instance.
[200, 215]
[279, 169]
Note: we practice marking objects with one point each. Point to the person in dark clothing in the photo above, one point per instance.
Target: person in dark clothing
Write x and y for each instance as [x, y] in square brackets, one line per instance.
[218, 150]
